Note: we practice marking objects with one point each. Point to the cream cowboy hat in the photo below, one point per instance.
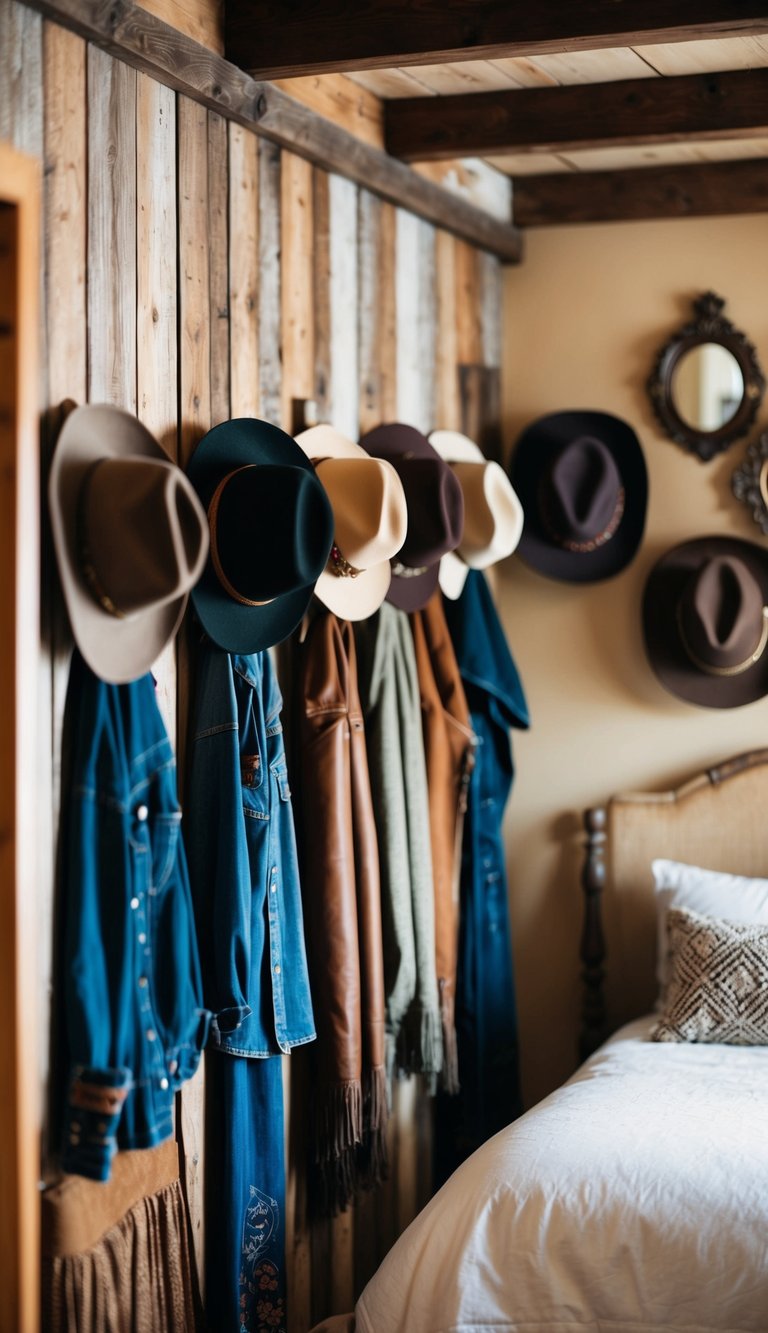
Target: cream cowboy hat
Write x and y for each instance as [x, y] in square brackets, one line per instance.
[131, 539]
[493, 515]
[370, 520]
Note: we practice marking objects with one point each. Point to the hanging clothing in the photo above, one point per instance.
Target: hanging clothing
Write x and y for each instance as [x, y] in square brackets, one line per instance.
[342, 907]
[486, 1017]
[245, 1280]
[389, 690]
[245, 883]
[241, 843]
[130, 974]
[449, 751]
[116, 1256]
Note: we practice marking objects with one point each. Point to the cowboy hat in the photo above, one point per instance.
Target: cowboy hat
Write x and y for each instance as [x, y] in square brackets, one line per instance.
[130, 539]
[493, 515]
[435, 511]
[370, 520]
[583, 485]
[705, 620]
[271, 529]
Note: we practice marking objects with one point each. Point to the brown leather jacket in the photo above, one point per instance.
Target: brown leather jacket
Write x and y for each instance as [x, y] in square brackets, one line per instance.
[449, 750]
[342, 914]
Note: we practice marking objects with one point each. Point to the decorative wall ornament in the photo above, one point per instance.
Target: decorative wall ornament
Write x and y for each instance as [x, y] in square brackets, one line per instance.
[750, 481]
[706, 385]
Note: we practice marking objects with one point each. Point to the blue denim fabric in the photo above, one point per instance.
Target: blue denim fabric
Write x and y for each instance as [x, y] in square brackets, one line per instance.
[238, 827]
[245, 1217]
[132, 991]
[486, 1015]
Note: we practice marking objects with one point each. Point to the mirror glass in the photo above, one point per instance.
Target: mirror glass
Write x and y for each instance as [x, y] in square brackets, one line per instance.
[707, 387]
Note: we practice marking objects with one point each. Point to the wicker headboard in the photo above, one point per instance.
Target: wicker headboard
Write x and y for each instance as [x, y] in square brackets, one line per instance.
[718, 819]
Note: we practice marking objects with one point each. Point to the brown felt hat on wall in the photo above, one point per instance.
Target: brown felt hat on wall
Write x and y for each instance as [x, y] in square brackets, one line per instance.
[131, 539]
[705, 620]
[582, 481]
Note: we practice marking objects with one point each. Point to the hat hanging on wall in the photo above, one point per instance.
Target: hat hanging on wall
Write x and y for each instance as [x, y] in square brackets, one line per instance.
[493, 515]
[370, 520]
[130, 539]
[582, 481]
[750, 482]
[435, 511]
[271, 530]
[705, 620]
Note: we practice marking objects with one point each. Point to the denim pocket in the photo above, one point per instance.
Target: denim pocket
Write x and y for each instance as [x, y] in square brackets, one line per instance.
[165, 841]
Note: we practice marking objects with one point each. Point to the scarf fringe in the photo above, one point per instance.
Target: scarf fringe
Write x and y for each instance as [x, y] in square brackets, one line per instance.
[420, 1044]
[338, 1120]
[449, 1075]
[350, 1151]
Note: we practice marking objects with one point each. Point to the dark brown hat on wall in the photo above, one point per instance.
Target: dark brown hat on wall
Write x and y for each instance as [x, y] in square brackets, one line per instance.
[705, 620]
[130, 536]
[435, 511]
[582, 481]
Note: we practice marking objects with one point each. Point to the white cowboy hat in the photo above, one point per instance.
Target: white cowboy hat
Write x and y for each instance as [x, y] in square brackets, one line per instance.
[370, 519]
[493, 515]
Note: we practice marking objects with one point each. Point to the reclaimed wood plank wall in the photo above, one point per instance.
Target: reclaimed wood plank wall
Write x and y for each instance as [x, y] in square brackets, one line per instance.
[194, 272]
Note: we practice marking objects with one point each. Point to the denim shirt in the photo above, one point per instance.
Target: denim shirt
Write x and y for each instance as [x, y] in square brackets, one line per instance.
[486, 1018]
[132, 991]
[238, 827]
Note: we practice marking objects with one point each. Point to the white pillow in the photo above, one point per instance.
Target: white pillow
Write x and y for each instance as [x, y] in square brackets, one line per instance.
[709, 892]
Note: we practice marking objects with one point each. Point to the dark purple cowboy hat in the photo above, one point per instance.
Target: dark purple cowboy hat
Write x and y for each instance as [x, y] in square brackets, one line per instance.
[705, 620]
[583, 485]
[435, 511]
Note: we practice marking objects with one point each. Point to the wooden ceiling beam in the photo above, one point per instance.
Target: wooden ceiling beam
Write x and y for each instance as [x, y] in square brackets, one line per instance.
[596, 115]
[700, 190]
[279, 38]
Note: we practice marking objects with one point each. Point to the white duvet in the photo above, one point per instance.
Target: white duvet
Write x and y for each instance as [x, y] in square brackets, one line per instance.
[634, 1198]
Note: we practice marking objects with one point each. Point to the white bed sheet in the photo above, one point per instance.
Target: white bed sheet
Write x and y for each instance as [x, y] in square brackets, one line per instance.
[633, 1198]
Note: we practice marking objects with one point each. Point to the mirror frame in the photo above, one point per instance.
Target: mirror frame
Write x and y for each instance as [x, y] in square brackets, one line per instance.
[708, 326]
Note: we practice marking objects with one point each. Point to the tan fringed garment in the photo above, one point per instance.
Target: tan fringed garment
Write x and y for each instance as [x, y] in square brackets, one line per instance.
[116, 1256]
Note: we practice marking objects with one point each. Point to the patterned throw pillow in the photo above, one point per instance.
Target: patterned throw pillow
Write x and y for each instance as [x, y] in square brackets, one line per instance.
[718, 983]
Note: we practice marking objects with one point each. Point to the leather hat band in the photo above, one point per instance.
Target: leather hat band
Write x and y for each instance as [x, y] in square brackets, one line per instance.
[738, 667]
[213, 511]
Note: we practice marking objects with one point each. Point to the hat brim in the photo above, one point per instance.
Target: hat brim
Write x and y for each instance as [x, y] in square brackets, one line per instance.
[536, 450]
[664, 647]
[232, 626]
[453, 447]
[452, 576]
[117, 649]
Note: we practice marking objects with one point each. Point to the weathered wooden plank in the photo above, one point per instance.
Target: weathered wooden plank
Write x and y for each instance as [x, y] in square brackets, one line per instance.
[156, 302]
[218, 262]
[270, 352]
[321, 264]
[405, 1108]
[388, 311]
[21, 67]
[447, 413]
[296, 294]
[469, 336]
[275, 40]
[243, 271]
[343, 305]
[341, 1286]
[409, 398]
[111, 231]
[480, 393]
[368, 291]
[489, 296]
[427, 323]
[693, 107]
[144, 41]
[704, 190]
[203, 20]
[298, 1237]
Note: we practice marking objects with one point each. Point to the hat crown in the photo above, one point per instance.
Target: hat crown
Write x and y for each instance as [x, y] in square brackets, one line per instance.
[370, 515]
[142, 534]
[581, 493]
[435, 510]
[271, 530]
[721, 615]
[492, 512]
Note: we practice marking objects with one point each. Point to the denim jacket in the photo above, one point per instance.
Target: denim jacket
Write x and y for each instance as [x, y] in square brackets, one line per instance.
[132, 992]
[238, 827]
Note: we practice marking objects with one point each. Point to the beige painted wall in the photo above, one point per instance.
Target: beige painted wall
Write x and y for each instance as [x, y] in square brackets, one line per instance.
[584, 316]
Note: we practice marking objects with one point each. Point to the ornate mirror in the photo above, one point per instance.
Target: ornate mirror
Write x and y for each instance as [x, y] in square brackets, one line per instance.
[706, 385]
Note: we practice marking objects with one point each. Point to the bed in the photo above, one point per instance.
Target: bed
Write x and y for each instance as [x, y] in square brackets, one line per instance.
[635, 1197]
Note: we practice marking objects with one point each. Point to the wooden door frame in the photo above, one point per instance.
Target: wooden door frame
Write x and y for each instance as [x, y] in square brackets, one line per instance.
[20, 193]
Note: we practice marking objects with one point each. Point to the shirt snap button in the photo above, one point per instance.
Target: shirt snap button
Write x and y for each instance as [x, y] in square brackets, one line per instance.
[277, 968]
[163, 1083]
[151, 1034]
[142, 938]
[142, 813]
[134, 904]
[142, 981]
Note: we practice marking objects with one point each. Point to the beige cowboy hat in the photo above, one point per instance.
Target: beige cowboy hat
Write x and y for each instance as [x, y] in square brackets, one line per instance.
[370, 519]
[493, 515]
[130, 537]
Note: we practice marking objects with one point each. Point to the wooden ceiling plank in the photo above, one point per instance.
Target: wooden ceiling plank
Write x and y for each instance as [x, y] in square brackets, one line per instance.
[274, 40]
[695, 106]
[704, 57]
[703, 190]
